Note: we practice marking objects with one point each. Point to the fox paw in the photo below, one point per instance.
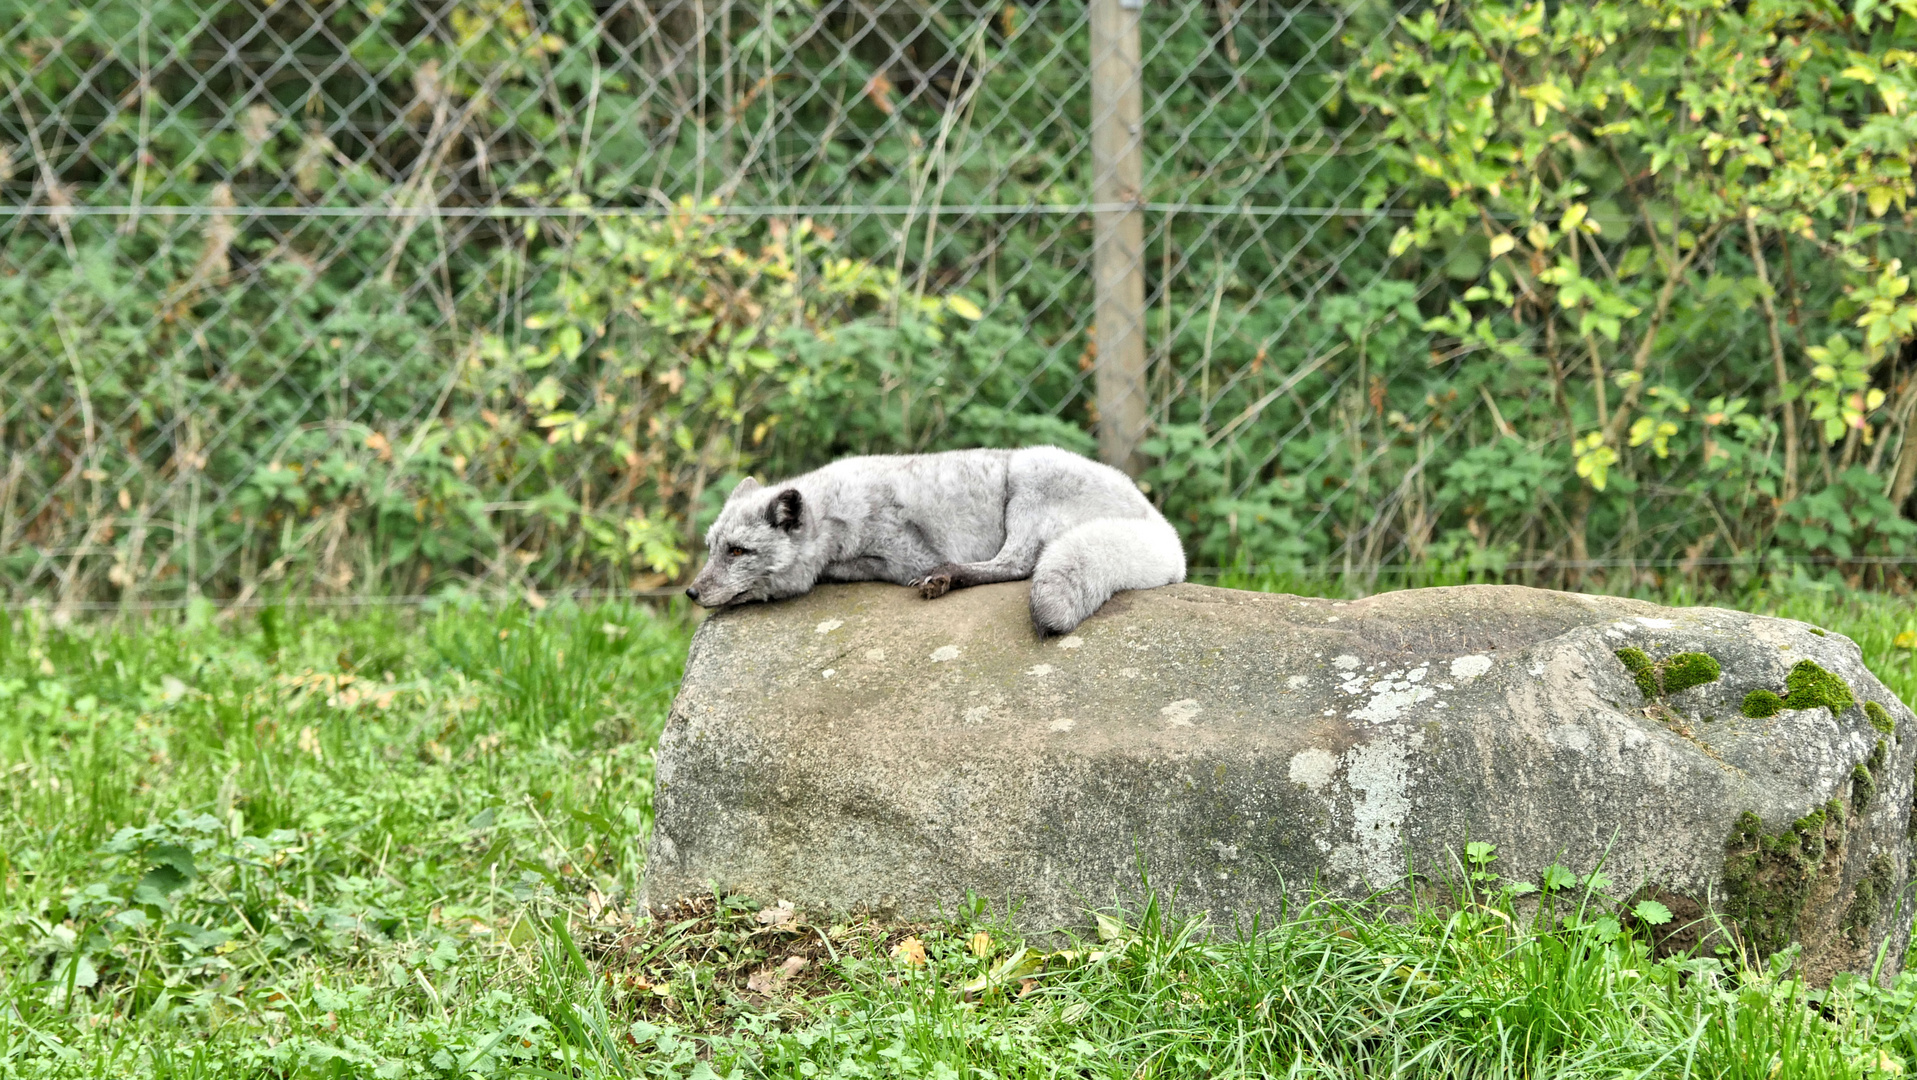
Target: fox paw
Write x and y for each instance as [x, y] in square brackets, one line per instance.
[933, 586]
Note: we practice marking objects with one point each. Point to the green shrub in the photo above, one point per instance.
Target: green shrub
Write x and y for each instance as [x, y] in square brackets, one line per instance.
[1652, 264]
[1601, 181]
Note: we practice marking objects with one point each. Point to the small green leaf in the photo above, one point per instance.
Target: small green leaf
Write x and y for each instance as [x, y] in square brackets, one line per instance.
[177, 857]
[81, 970]
[1651, 912]
[522, 933]
[158, 884]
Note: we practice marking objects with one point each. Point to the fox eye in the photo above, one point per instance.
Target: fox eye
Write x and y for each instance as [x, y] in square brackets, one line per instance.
[735, 551]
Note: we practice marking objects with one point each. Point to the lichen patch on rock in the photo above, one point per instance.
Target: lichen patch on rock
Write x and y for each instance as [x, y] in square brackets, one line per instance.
[1180, 713]
[1378, 774]
[1389, 701]
[1466, 668]
[1313, 768]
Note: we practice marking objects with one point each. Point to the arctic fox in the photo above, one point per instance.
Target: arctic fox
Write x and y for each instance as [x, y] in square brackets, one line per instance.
[1080, 530]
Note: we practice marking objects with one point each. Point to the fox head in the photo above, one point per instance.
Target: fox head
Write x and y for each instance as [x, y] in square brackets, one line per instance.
[755, 550]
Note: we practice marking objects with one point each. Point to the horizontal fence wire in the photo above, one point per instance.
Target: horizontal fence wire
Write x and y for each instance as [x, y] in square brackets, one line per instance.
[822, 210]
[1323, 576]
[369, 303]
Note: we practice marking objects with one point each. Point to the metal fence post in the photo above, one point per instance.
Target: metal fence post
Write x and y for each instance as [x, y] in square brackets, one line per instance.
[1118, 256]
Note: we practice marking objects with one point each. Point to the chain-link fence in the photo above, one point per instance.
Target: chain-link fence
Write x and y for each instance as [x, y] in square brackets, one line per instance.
[372, 299]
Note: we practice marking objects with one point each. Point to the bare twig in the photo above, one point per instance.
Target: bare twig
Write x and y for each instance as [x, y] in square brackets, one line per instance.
[939, 157]
[141, 149]
[1642, 359]
[1778, 370]
[1251, 411]
[1904, 477]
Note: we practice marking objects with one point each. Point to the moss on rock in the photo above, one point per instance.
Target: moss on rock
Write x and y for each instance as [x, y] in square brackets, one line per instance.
[1880, 718]
[1769, 877]
[1863, 788]
[1687, 669]
[1868, 902]
[1809, 686]
[1863, 779]
[1642, 670]
[1672, 675]
[1910, 828]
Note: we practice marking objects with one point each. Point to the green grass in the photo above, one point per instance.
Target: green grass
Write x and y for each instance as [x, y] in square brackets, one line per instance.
[404, 844]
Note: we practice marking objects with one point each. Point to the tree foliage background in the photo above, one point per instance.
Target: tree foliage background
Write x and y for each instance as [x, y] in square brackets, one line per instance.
[364, 297]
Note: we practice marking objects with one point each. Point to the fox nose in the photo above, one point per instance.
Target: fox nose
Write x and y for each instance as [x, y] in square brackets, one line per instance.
[692, 593]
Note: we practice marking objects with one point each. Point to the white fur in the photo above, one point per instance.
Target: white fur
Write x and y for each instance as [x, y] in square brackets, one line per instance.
[1079, 529]
[1080, 570]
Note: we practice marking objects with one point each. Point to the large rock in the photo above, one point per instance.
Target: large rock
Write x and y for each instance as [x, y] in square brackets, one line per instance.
[862, 748]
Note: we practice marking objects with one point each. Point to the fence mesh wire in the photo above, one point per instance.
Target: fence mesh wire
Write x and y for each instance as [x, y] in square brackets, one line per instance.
[361, 299]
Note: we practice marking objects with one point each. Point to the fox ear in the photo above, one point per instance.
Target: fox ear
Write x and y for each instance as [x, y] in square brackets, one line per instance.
[746, 487]
[783, 511]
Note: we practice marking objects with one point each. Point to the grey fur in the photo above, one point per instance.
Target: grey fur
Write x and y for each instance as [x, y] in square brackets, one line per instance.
[1080, 530]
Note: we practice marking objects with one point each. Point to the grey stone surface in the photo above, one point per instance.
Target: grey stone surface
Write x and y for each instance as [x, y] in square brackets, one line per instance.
[861, 748]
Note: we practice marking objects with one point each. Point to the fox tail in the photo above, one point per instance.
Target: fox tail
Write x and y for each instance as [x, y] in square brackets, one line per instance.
[1081, 569]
